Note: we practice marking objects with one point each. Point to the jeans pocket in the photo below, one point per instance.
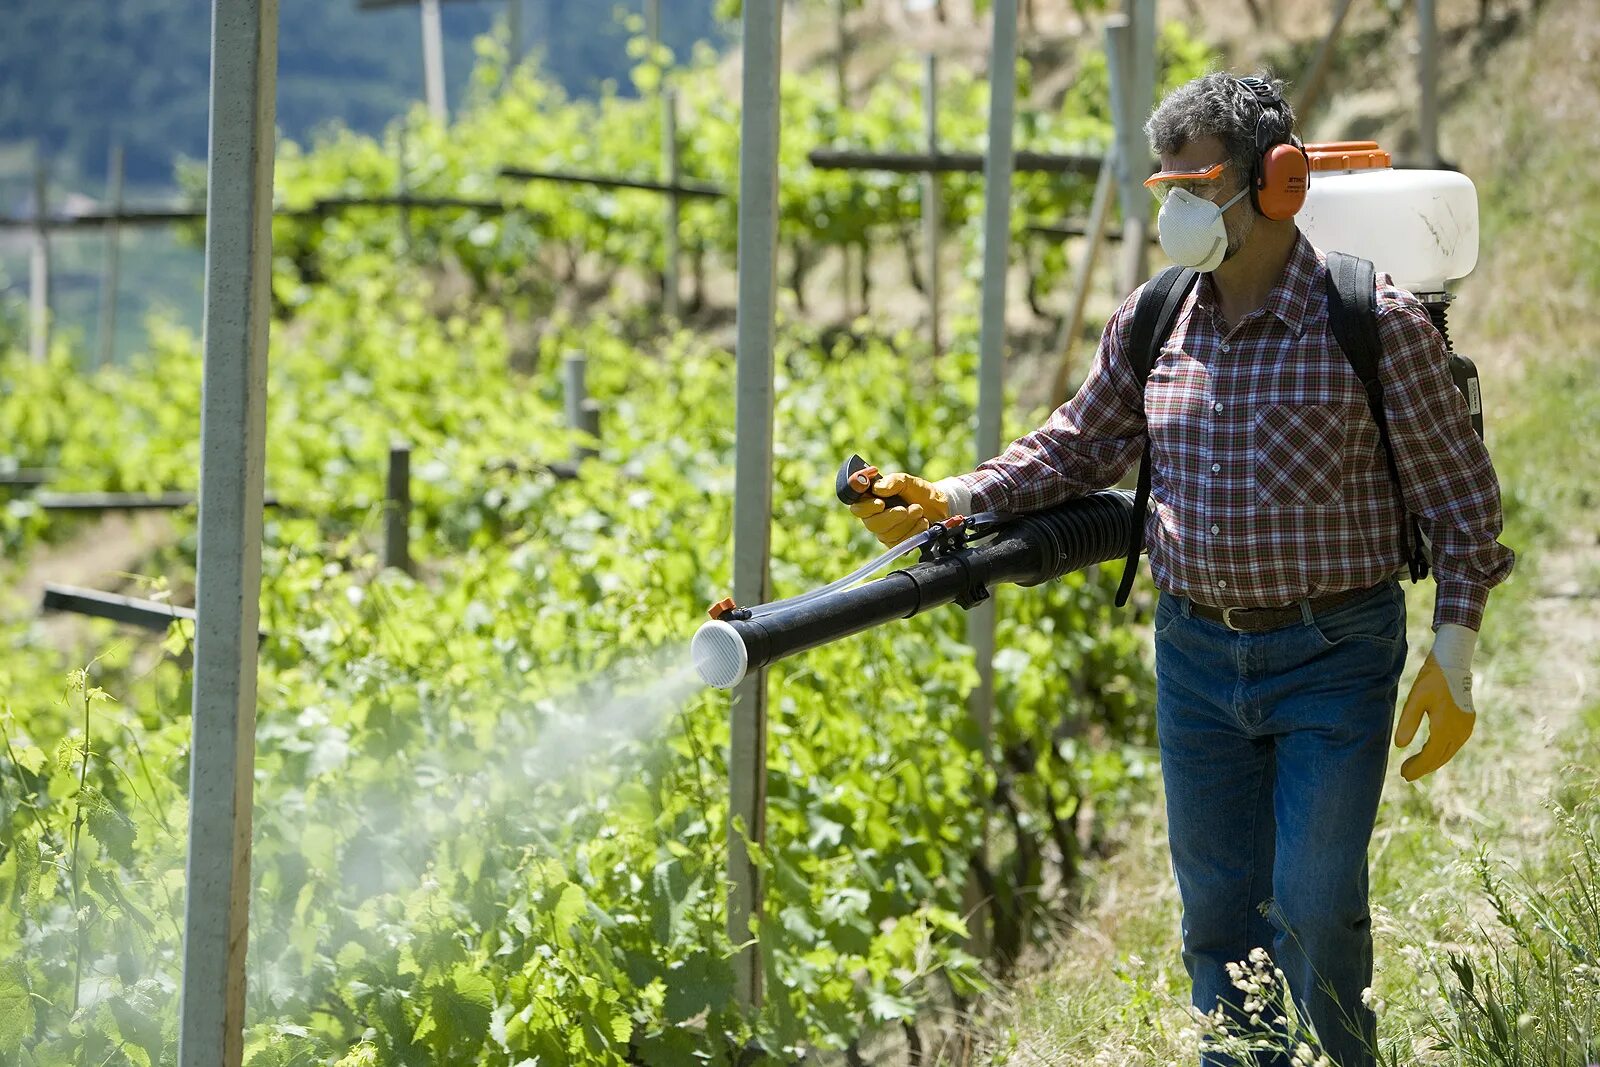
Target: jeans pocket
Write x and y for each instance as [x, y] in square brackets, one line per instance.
[1167, 613]
[1378, 622]
[1299, 455]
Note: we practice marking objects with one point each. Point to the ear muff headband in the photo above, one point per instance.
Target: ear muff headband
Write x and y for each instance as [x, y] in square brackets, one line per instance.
[1282, 170]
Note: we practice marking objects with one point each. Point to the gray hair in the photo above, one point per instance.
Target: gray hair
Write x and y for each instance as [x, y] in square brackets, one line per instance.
[1218, 105]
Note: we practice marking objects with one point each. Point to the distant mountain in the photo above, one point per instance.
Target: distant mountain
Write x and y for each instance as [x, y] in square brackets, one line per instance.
[78, 74]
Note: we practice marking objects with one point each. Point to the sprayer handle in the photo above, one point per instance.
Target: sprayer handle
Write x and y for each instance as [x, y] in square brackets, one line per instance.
[854, 484]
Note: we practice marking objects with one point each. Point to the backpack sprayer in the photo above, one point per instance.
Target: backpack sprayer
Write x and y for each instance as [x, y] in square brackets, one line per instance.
[961, 558]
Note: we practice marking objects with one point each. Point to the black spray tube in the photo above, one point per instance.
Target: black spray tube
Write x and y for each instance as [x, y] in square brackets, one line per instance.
[1033, 549]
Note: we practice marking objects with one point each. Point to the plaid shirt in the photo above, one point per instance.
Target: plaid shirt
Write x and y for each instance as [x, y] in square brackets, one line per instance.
[1268, 483]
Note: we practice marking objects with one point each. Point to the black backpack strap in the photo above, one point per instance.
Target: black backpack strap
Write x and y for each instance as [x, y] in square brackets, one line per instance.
[1153, 318]
[1353, 318]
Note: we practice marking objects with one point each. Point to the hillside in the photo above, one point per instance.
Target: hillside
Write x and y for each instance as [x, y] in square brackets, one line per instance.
[78, 75]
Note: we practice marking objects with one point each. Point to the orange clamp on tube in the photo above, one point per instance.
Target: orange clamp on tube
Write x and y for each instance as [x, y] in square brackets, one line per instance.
[721, 607]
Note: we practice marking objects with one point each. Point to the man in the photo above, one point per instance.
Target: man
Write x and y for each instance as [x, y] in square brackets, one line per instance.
[1270, 499]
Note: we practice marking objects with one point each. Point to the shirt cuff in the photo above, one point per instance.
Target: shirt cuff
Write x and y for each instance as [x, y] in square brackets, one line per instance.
[980, 491]
[1460, 603]
[956, 495]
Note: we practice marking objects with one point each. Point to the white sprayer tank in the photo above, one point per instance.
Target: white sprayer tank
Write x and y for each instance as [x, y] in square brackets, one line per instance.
[1421, 226]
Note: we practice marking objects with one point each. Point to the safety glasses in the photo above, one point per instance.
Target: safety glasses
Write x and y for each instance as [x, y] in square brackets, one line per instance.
[1202, 183]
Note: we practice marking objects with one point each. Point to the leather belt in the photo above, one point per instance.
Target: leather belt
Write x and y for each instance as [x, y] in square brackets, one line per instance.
[1256, 620]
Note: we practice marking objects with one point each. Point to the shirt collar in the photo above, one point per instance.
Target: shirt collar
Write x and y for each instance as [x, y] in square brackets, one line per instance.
[1289, 297]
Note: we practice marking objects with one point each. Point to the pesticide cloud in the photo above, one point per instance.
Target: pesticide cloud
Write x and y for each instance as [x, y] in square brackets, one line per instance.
[511, 790]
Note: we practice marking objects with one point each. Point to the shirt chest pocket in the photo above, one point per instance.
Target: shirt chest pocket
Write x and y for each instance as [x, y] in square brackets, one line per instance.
[1299, 454]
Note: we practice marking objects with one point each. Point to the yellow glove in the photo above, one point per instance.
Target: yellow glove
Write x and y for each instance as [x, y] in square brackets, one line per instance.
[1442, 691]
[926, 504]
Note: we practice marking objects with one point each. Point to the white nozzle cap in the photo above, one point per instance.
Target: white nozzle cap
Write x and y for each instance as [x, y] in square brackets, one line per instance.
[719, 655]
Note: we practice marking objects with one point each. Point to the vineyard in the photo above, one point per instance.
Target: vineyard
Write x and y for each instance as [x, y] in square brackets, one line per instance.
[490, 797]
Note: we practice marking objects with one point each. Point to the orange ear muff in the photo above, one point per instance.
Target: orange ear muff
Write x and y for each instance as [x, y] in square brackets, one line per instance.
[1281, 189]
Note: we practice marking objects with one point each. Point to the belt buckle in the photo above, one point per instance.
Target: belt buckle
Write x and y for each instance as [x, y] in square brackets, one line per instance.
[1227, 619]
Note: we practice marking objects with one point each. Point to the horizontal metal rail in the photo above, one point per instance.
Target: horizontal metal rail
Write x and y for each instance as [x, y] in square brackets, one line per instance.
[948, 162]
[120, 501]
[90, 220]
[94, 220]
[1077, 229]
[338, 203]
[150, 614]
[26, 477]
[682, 188]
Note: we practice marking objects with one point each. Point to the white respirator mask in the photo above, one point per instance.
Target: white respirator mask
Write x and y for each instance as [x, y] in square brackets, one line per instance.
[1192, 231]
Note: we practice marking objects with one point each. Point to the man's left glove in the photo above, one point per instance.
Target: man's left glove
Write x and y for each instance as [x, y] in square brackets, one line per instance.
[1443, 692]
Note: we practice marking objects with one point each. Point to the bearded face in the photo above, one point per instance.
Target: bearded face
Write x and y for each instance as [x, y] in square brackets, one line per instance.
[1238, 222]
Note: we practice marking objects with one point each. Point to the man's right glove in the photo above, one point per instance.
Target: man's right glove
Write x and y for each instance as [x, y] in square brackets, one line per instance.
[926, 504]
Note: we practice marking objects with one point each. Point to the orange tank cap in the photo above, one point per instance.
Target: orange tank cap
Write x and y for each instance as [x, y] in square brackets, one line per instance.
[1347, 155]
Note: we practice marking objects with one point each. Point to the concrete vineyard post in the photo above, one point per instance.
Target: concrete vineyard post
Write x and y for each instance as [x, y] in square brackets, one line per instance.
[752, 504]
[1428, 76]
[669, 168]
[433, 61]
[931, 220]
[997, 172]
[39, 264]
[244, 57]
[109, 274]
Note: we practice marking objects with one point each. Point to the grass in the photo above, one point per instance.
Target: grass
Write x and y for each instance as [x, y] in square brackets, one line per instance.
[1486, 876]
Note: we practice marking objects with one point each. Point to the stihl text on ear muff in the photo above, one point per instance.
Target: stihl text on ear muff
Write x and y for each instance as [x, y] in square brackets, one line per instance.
[1281, 171]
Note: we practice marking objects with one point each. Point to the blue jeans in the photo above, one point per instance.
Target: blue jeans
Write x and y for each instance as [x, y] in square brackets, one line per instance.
[1273, 750]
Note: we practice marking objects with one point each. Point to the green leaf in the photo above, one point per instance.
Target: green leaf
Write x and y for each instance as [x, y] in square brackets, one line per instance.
[885, 1007]
[570, 907]
[138, 1014]
[30, 757]
[695, 985]
[16, 1009]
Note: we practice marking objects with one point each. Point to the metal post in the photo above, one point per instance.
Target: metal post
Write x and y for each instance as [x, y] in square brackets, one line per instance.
[39, 264]
[931, 220]
[669, 169]
[1095, 231]
[752, 502]
[244, 58]
[397, 509]
[513, 36]
[1133, 152]
[589, 426]
[991, 342]
[1142, 17]
[841, 55]
[652, 20]
[433, 61]
[1428, 74]
[108, 276]
[1141, 99]
[402, 188]
[574, 370]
